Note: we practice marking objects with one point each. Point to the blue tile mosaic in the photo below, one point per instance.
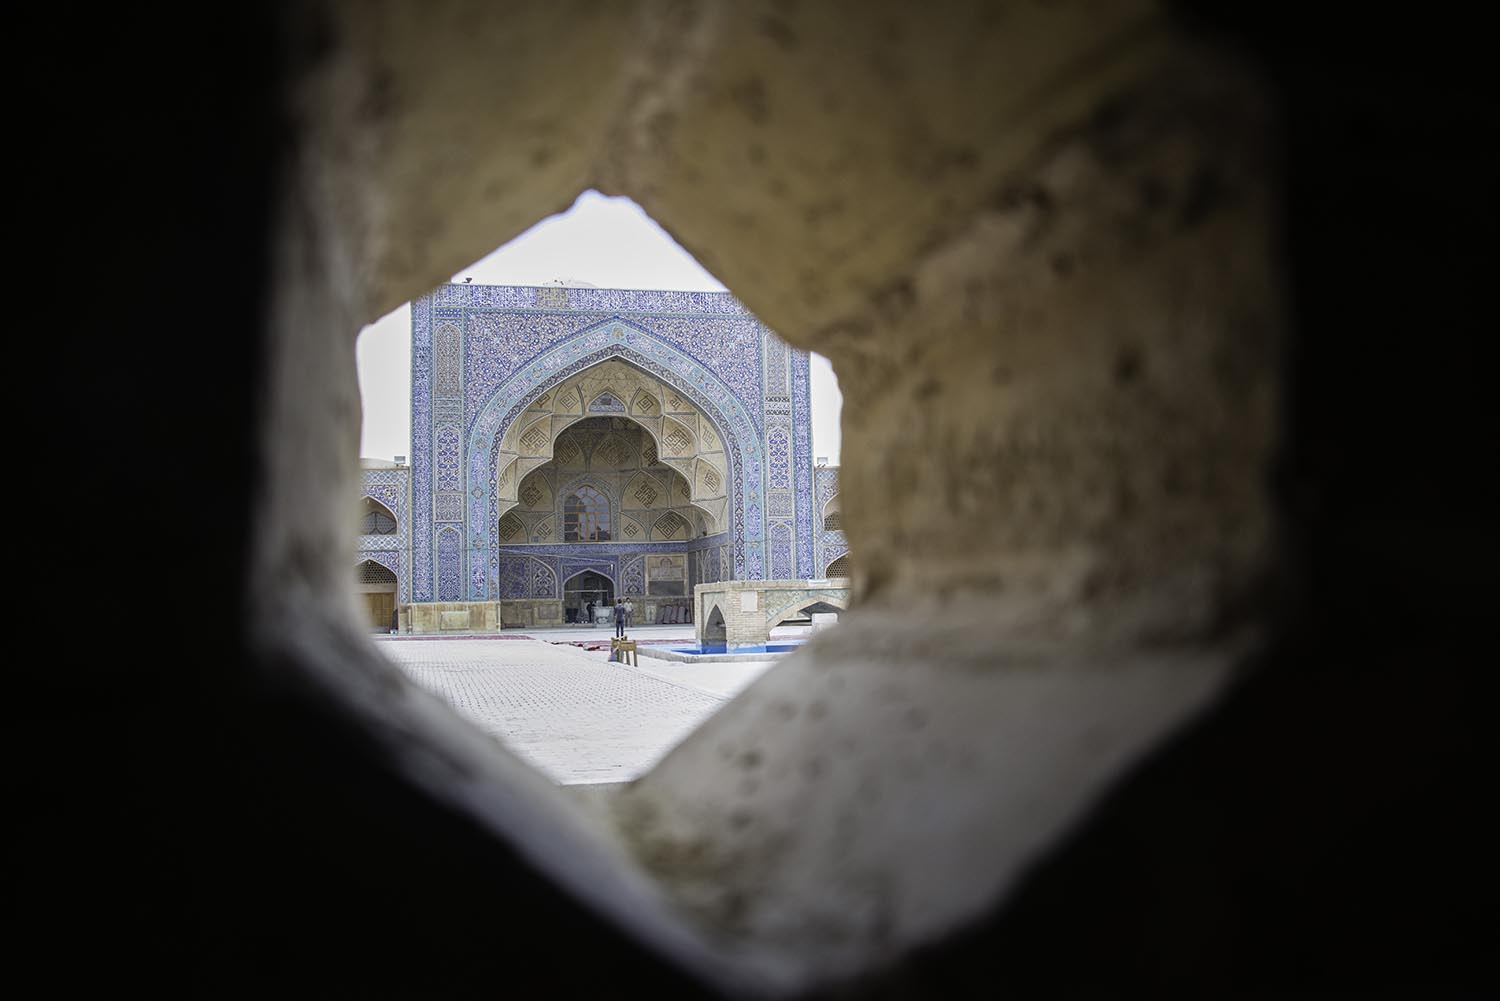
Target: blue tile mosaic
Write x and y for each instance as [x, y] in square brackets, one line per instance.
[391, 487]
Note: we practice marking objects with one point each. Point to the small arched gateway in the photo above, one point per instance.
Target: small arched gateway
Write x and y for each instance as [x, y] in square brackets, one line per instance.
[383, 546]
[376, 587]
[806, 612]
[585, 592]
[714, 631]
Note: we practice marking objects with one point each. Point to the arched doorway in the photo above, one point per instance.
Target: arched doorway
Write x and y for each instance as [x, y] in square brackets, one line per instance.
[714, 630]
[377, 592]
[599, 494]
[583, 589]
[806, 612]
[684, 428]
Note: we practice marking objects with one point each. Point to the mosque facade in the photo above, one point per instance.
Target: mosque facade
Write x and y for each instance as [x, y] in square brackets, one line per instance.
[575, 444]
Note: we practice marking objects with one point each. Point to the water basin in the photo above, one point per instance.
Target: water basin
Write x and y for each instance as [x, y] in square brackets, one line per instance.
[690, 653]
[707, 648]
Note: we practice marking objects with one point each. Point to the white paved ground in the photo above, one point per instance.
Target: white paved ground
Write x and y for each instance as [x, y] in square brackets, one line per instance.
[577, 717]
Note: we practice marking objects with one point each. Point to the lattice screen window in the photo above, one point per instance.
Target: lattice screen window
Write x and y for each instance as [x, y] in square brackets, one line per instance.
[586, 517]
[607, 403]
[839, 567]
[370, 572]
[377, 519]
[834, 522]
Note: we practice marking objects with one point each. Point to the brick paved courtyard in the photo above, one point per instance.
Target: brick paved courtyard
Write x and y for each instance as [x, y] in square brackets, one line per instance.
[571, 713]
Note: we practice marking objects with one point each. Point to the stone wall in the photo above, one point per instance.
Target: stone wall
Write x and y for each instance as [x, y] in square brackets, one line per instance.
[750, 609]
[431, 618]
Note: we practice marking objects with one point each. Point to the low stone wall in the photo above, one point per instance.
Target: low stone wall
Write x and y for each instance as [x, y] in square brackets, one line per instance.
[436, 617]
[530, 613]
[648, 611]
[540, 612]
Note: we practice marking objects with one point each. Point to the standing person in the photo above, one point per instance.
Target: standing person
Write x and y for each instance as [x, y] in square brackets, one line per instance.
[629, 613]
[588, 612]
[620, 618]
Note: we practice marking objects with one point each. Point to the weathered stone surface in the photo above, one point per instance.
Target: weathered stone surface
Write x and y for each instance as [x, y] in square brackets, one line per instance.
[1036, 243]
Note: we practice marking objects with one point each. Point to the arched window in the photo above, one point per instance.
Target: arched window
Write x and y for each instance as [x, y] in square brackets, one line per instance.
[376, 519]
[370, 572]
[586, 517]
[833, 519]
[839, 567]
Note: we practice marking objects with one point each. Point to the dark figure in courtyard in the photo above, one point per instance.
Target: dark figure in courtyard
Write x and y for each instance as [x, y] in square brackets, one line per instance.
[588, 612]
[629, 613]
[619, 618]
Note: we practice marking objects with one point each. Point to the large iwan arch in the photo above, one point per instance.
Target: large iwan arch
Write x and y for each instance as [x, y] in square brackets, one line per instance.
[732, 424]
[713, 388]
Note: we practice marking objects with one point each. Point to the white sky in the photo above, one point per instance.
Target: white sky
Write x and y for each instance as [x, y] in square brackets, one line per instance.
[608, 242]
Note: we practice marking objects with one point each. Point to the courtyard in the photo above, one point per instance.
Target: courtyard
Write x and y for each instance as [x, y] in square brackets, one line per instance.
[568, 710]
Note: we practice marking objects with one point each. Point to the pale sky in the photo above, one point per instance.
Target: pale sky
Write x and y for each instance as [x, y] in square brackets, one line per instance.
[607, 242]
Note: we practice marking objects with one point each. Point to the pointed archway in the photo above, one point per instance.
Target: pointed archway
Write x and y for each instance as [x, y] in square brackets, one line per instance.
[586, 590]
[715, 632]
[376, 586]
[659, 360]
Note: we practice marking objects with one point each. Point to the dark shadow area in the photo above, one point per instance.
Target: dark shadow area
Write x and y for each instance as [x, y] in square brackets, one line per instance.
[193, 816]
